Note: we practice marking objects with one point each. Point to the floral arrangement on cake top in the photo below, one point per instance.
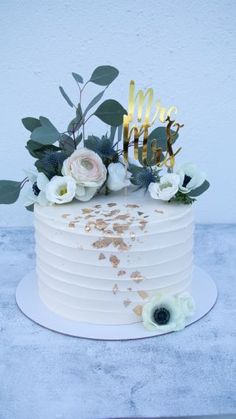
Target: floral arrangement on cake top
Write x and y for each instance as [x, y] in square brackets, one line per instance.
[71, 165]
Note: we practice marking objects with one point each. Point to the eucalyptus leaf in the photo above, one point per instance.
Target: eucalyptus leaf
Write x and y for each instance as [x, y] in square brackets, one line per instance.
[78, 78]
[46, 133]
[31, 123]
[198, 191]
[93, 102]
[67, 144]
[111, 112]
[38, 150]
[66, 97]
[9, 191]
[78, 139]
[104, 75]
[159, 134]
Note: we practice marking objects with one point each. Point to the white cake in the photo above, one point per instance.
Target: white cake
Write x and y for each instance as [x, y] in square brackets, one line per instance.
[100, 261]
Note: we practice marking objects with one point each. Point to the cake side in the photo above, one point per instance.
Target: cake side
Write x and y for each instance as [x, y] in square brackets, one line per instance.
[100, 262]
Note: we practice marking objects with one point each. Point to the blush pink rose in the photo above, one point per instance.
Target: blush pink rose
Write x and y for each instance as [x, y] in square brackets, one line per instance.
[86, 168]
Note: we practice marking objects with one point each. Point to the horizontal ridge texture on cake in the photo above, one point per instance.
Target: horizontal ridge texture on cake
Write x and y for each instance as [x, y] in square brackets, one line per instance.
[100, 261]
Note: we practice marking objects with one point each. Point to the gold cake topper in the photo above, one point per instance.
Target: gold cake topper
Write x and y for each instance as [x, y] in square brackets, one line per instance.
[150, 153]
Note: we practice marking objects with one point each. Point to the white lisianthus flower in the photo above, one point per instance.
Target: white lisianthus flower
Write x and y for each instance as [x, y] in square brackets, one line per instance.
[60, 189]
[166, 188]
[190, 177]
[36, 192]
[167, 313]
[118, 177]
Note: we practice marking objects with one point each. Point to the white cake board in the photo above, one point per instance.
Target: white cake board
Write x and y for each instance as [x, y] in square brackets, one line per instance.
[203, 290]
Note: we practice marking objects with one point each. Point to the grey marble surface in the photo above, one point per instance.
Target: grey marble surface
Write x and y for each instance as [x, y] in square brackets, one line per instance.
[45, 375]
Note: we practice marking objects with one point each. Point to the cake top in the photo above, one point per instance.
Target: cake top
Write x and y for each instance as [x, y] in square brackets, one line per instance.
[116, 215]
[73, 166]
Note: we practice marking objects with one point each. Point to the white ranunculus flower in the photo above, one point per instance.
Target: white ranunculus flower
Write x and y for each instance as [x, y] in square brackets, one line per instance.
[190, 177]
[61, 189]
[86, 168]
[166, 188]
[167, 313]
[118, 177]
[36, 192]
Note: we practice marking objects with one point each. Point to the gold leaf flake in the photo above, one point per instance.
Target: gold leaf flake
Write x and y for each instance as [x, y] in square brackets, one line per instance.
[109, 232]
[87, 228]
[140, 213]
[120, 273]
[114, 261]
[137, 276]
[132, 206]
[101, 256]
[65, 215]
[122, 217]
[111, 204]
[111, 213]
[138, 310]
[100, 224]
[143, 294]
[86, 210]
[104, 242]
[120, 228]
[97, 206]
[142, 224]
[159, 211]
[126, 302]
[120, 244]
[115, 289]
[72, 224]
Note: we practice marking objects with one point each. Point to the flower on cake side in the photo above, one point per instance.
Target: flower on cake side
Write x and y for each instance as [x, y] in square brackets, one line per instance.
[71, 165]
[168, 313]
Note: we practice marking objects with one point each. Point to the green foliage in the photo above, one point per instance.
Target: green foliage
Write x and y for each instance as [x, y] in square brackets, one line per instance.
[9, 191]
[198, 191]
[111, 112]
[104, 75]
[182, 198]
[93, 102]
[77, 77]
[46, 133]
[31, 123]
[142, 176]
[76, 122]
[51, 164]
[159, 134]
[103, 147]
[66, 97]
[68, 144]
[38, 150]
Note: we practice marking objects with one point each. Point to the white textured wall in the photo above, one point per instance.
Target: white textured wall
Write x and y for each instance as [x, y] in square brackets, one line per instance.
[184, 49]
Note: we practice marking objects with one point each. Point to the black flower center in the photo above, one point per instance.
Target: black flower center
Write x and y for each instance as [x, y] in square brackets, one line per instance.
[161, 315]
[36, 189]
[186, 180]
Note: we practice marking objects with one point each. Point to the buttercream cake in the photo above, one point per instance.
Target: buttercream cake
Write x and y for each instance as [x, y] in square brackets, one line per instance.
[100, 262]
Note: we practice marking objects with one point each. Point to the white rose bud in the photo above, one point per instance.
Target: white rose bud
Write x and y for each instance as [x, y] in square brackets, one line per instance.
[117, 177]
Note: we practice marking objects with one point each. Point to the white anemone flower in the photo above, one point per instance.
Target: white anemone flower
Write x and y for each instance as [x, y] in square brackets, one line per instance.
[190, 177]
[36, 191]
[168, 313]
[166, 188]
